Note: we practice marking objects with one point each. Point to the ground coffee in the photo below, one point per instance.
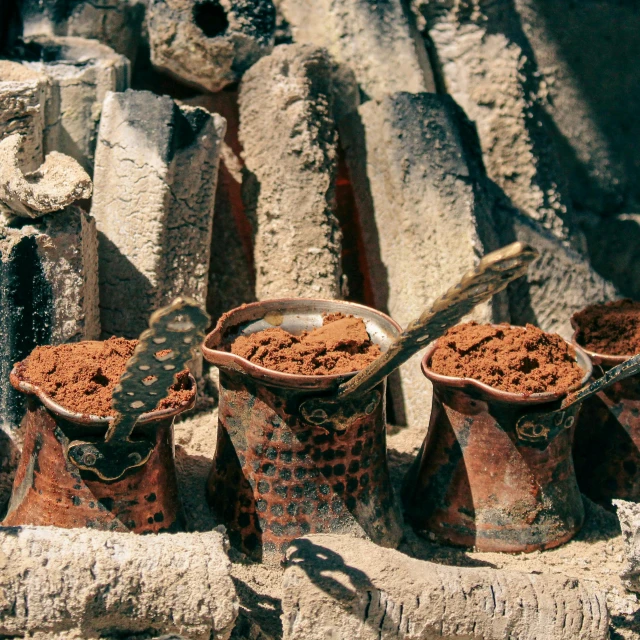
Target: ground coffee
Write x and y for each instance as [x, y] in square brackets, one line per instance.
[81, 376]
[340, 345]
[612, 328]
[515, 359]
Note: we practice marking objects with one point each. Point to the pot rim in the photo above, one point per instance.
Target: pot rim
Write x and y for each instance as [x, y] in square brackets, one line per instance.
[596, 358]
[228, 360]
[87, 418]
[582, 359]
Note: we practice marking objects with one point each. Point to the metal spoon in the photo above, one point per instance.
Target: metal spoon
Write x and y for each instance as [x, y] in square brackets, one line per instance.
[540, 428]
[163, 351]
[358, 395]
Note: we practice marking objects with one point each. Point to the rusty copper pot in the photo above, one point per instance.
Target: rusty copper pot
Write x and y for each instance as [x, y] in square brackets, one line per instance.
[480, 482]
[49, 489]
[277, 474]
[606, 449]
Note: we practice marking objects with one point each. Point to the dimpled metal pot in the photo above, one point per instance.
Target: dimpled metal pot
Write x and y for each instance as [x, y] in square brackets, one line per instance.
[606, 449]
[480, 482]
[49, 490]
[278, 474]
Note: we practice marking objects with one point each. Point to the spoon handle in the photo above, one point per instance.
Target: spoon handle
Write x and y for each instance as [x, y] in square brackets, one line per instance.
[493, 273]
[621, 371]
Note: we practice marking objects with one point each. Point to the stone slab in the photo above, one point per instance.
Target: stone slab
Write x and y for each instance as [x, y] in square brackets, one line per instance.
[290, 152]
[350, 589]
[56, 581]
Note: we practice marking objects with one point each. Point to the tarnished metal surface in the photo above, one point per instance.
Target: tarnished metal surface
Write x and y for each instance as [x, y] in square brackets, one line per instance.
[50, 490]
[477, 483]
[277, 475]
[606, 448]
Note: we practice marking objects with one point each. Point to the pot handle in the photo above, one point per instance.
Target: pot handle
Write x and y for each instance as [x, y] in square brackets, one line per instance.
[163, 351]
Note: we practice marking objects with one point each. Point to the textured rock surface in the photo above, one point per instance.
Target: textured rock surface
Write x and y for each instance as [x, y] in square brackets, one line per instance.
[80, 73]
[154, 189]
[23, 95]
[290, 151]
[486, 65]
[209, 44]
[103, 583]
[59, 182]
[559, 283]
[376, 39]
[593, 109]
[48, 292]
[117, 23]
[629, 515]
[335, 587]
[425, 215]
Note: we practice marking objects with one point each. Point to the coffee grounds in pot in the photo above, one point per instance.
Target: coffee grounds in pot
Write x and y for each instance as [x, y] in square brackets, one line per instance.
[81, 376]
[514, 359]
[341, 345]
[612, 328]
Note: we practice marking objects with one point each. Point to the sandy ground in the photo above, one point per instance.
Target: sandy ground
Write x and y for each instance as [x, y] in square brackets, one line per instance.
[595, 555]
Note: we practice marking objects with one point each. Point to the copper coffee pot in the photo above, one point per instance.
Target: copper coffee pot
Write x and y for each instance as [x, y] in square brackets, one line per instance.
[80, 470]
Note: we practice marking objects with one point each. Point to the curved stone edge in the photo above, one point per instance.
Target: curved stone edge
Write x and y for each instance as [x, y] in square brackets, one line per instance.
[58, 182]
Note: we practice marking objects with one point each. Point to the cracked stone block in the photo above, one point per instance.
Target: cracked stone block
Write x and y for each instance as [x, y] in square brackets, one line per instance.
[377, 40]
[629, 515]
[290, 152]
[155, 180]
[426, 217]
[487, 66]
[593, 109]
[104, 584]
[59, 182]
[80, 73]
[116, 23]
[23, 96]
[209, 43]
[48, 292]
[350, 589]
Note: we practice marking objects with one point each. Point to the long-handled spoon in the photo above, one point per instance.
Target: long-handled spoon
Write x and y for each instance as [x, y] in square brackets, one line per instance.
[162, 352]
[493, 273]
[540, 428]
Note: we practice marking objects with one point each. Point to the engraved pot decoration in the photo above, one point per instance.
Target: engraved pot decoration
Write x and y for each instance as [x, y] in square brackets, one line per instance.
[49, 490]
[280, 472]
[488, 479]
[606, 449]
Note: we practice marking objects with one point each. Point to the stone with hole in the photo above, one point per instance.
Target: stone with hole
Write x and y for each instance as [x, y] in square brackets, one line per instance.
[209, 43]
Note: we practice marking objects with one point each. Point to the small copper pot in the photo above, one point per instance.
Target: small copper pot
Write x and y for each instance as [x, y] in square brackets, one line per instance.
[479, 483]
[606, 449]
[48, 489]
[278, 475]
